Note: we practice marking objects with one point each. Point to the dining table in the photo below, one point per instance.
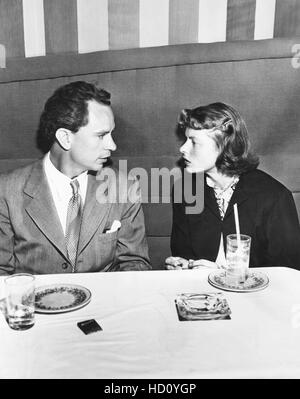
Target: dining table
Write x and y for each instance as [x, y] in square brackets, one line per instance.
[142, 337]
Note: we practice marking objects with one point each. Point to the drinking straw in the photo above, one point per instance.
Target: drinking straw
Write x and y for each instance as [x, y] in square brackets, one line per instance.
[237, 225]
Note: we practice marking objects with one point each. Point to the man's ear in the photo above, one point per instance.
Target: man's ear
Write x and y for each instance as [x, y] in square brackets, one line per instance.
[63, 136]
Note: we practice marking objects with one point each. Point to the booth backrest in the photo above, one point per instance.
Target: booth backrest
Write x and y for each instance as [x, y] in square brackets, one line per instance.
[149, 88]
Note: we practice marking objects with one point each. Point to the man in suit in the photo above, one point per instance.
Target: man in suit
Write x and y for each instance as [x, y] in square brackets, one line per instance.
[60, 214]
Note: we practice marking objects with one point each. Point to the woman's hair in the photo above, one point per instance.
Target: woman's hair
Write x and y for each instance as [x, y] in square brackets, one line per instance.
[229, 132]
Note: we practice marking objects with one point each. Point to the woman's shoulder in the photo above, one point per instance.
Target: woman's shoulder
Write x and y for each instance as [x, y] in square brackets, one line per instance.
[258, 180]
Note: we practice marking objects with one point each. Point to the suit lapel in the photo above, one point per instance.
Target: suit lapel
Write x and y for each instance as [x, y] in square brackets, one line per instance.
[239, 196]
[96, 207]
[41, 207]
[210, 200]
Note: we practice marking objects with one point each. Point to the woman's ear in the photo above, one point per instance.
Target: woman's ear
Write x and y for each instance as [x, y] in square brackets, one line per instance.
[63, 136]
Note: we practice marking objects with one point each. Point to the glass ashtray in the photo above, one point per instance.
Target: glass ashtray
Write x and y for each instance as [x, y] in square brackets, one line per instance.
[207, 306]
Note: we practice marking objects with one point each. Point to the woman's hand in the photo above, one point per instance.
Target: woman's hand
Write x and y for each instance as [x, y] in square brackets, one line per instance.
[199, 263]
[178, 263]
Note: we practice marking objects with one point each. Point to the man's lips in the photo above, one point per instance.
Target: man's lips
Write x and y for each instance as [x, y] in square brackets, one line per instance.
[103, 158]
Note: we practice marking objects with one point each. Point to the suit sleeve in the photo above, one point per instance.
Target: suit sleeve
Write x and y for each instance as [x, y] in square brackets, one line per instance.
[283, 232]
[132, 247]
[180, 236]
[6, 241]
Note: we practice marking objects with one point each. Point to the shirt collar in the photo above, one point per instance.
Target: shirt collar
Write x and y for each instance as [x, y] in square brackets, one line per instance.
[60, 182]
[232, 184]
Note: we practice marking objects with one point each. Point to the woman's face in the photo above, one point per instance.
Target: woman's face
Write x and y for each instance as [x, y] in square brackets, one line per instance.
[200, 151]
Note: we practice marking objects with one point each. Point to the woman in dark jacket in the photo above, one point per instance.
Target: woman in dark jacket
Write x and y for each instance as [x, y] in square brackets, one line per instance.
[217, 144]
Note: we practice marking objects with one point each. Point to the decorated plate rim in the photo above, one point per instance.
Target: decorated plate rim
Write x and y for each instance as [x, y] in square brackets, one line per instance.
[214, 274]
[64, 310]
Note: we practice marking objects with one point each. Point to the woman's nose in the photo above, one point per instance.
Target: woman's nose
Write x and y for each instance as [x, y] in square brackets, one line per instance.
[183, 148]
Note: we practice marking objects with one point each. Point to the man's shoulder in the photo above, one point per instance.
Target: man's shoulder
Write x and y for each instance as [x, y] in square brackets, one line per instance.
[111, 174]
[18, 176]
[117, 185]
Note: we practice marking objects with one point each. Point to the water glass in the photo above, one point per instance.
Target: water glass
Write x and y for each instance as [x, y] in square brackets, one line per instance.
[20, 298]
[237, 259]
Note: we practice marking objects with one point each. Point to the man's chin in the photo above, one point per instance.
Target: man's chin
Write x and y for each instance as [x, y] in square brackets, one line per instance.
[100, 164]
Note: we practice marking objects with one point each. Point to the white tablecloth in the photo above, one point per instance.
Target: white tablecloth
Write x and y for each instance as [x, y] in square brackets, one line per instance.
[143, 338]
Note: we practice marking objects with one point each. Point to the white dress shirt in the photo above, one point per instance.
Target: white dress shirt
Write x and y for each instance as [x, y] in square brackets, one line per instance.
[61, 189]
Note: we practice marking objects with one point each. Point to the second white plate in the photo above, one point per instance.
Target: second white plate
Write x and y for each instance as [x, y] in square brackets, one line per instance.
[256, 281]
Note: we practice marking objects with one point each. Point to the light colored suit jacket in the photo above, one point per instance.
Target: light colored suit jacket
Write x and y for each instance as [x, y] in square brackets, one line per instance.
[32, 239]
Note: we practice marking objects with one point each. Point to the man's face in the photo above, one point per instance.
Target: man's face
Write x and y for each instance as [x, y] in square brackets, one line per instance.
[93, 143]
[200, 151]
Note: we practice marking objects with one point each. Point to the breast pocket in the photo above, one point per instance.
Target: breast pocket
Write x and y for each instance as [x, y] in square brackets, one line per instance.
[107, 237]
[105, 248]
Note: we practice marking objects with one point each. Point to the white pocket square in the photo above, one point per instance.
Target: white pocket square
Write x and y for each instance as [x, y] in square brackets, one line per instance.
[114, 227]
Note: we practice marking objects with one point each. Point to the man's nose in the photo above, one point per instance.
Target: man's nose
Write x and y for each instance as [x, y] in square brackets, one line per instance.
[110, 144]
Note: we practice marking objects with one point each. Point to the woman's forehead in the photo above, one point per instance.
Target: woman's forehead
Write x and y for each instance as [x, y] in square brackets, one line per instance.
[197, 133]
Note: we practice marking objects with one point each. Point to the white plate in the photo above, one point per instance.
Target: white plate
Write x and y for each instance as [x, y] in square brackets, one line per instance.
[60, 298]
[256, 281]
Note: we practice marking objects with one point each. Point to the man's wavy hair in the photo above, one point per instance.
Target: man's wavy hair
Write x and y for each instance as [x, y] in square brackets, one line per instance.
[229, 132]
[67, 108]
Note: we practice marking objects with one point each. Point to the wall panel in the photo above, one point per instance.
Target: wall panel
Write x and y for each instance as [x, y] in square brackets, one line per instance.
[11, 27]
[240, 19]
[287, 18]
[123, 18]
[183, 25]
[61, 26]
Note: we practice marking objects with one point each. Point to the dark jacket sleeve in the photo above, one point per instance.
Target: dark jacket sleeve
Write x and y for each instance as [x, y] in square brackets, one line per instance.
[180, 236]
[283, 232]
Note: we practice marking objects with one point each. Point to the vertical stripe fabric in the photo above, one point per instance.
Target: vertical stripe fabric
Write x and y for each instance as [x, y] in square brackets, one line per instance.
[287, 18]
[11, 27]
[61, 26]
[30, 28]
[154, 23]
[34, 28]
[212, 21]
[183, 25]
[123, 22]
[92, 17]
[240, 19]
[264, 19]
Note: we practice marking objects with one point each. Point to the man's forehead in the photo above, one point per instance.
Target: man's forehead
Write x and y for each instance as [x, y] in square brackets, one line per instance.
[98, 108]
[100, 113]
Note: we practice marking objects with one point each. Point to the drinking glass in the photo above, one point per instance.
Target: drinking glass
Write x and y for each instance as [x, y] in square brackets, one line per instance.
[237, 259]
[20, 297]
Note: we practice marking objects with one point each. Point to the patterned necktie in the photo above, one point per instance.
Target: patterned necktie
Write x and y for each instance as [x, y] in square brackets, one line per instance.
[73, 224]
